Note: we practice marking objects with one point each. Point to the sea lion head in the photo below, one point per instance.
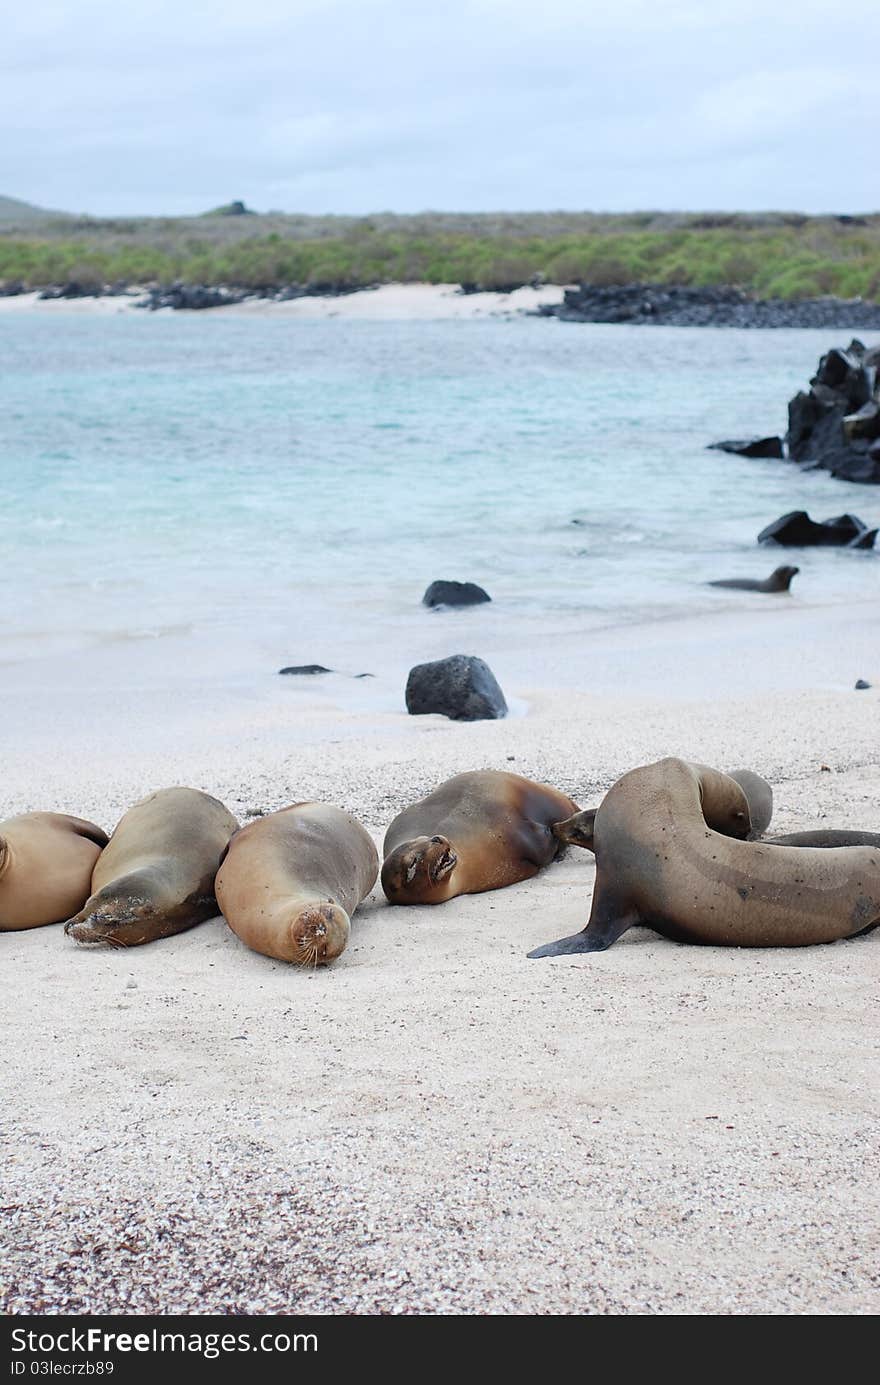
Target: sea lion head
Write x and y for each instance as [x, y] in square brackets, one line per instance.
[417, 872]
[115, 924]
[577, 830]
[781, 577]
[318, 933]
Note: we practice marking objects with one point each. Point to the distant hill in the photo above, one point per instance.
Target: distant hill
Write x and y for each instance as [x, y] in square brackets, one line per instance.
[236, 208]
[16, 213]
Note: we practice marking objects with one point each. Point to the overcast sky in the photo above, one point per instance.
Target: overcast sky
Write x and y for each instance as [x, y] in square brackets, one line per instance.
[150, 106]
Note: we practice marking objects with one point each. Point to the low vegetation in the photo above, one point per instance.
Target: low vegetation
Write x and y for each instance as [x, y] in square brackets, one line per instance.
[773, 255]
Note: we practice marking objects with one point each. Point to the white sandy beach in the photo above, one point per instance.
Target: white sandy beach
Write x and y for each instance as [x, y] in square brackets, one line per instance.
[436, 1124]
[387, 303]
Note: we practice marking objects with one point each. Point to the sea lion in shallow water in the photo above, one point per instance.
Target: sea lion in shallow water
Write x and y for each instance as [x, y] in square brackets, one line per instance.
[156, 875]
[479, 831]
[291, 880]
[660, 864]
[46, 864]
[779, 581]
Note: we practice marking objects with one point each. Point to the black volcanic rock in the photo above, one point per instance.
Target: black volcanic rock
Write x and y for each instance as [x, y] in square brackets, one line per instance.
[680, 306]
[442, 593]
[835, 425]
[864, 423]
[73, 288]
[843, 373]
[461, 687]
[751, 447]
[306, 669]
[194, 297]
[797, 530]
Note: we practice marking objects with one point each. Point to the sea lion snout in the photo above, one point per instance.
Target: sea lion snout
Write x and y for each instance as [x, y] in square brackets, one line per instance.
[576, 830]
[319, 933]
[96, 928]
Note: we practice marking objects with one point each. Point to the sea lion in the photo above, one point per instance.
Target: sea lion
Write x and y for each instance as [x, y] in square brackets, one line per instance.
[747, 820]
[479, 831]
[660, 864]
[156, 875]
[290, 881]
[46, 864]
[778, 581]
[759, 795]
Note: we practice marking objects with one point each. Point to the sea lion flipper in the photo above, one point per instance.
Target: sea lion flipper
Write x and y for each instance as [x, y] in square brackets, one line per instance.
[604, 928]
[576, 830]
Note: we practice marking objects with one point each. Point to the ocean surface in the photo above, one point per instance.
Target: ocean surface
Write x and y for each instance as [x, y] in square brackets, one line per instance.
[236, 494]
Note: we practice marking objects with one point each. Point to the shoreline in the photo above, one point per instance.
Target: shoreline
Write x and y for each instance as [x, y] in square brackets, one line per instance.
[388, 302]
[631, 304]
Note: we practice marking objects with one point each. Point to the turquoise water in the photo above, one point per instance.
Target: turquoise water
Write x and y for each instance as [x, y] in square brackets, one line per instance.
[298, 483]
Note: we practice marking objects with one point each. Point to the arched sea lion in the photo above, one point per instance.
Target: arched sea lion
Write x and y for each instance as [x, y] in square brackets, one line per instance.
[46, 864]
[156, 875]
[778, 581]
[291, 880]
[479, 831]
[660, 864]
[747, 820]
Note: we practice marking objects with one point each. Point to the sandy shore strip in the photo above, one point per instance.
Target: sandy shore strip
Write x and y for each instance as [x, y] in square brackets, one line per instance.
[387, 303]
[437, 1125]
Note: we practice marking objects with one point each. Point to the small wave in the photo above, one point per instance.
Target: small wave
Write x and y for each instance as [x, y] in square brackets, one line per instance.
[144, 632]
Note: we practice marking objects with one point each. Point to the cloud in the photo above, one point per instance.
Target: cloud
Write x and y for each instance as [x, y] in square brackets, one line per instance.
[355, 105]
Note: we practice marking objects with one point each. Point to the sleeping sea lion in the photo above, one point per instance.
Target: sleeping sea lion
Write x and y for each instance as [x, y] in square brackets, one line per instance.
[46, 864]
[291, 880]
[479, 831]
[778, 581]
[156, 876]
[660, 864]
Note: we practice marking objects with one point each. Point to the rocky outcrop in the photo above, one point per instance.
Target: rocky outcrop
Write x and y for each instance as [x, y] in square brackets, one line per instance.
[797, 530]
[442, 593]
[461, 687]
[191, 296]
[835, 425]
[673, 306]
[751, 447]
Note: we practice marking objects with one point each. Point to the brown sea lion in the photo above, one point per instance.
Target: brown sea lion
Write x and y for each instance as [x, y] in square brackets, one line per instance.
[748, 820]
[46, 864]
[291, 880]
[156, 876]
[760, 800]
[660, 864]
[479, 831]
[779, 581]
